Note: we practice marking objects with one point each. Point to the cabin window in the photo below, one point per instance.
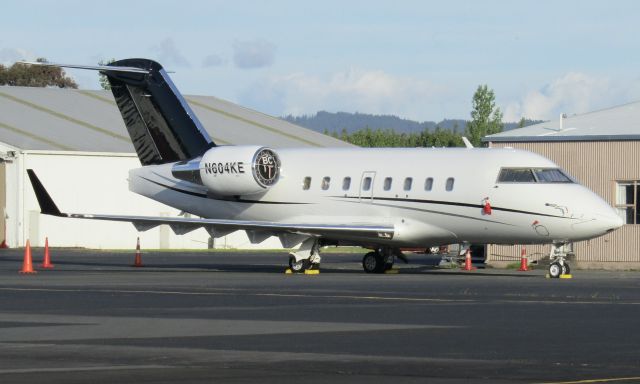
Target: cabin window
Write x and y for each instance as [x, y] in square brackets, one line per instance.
[428, 184]
[366, 184]
[449, 185]
[346, 183]
[407, 183]
[306, 184]
[628, 201]
[325, 183]
[387, 183]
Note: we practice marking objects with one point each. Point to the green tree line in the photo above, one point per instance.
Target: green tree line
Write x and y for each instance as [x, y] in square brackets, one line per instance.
[486, 119]
[23, 75]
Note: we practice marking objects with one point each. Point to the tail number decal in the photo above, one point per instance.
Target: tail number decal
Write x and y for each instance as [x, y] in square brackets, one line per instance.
[229, 167]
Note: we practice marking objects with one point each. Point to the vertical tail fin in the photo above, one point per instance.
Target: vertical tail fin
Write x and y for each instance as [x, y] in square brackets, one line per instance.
[161, 124]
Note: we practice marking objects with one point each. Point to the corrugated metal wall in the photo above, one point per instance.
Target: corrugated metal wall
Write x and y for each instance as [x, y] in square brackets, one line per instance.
[597, 165]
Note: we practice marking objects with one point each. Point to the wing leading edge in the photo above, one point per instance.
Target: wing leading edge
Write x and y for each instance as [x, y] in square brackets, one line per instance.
[289, 233]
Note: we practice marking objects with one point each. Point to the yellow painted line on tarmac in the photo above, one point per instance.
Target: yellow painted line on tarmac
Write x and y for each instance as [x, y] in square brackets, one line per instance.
[611, 380]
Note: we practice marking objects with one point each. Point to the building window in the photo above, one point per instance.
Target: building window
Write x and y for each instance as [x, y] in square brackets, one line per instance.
[325, 183]
[449, 185]
[306, 184]
[366, 184]
[387, 183]
[346, 183]
[627, 201]
[428, 184]
[407, 183]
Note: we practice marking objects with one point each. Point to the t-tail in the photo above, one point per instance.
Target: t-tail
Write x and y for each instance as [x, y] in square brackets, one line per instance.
[162, 126]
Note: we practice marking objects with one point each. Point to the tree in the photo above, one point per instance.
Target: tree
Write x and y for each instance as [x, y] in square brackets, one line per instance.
[522, 123]
[486, 118]
[104, 82]
[24, 75]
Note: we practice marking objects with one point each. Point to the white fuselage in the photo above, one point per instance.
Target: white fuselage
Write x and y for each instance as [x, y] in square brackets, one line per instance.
[521, 213]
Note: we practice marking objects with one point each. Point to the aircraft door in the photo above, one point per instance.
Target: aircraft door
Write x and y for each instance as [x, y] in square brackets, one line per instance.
[366, 186]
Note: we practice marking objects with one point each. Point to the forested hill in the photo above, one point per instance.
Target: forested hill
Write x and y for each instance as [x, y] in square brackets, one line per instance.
[335, 122]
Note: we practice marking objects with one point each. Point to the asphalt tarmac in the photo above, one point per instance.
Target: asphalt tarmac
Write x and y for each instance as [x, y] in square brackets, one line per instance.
[236, 317]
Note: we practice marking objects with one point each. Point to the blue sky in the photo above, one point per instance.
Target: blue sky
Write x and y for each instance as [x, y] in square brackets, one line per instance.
[417, 59]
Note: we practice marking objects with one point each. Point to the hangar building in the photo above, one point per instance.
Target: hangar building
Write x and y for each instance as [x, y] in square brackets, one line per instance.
[601, 150]
[78, 145]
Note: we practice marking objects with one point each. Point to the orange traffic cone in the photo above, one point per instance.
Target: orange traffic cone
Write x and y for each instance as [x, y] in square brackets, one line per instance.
[46, 263]
[523, 260]
[138, 260]
[27, 264]
[467, 261]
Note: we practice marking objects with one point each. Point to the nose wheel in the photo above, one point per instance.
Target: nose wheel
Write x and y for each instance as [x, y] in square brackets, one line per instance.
[559, 265]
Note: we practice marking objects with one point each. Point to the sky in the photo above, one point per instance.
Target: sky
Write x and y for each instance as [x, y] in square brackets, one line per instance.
[420, 60]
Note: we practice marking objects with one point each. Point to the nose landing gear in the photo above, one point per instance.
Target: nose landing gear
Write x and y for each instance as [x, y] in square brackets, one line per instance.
[558, 264]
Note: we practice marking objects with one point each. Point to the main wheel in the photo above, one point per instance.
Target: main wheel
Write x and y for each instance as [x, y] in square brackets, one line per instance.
[300, 265]
[566, 270]
[373, 262]
[555, 270]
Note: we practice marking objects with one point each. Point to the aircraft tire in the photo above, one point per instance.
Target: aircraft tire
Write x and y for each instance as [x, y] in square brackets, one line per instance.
[555, 270]
[566, 270]
[299, 266]
[373, 262]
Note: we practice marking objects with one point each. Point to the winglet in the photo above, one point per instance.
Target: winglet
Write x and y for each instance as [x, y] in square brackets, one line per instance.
[467, 143]
[47, 206]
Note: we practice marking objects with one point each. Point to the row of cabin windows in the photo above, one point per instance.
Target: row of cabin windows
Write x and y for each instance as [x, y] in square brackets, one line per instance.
[366, 183]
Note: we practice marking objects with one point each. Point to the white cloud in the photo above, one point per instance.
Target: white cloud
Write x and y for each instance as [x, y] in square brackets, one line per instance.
[213, 60]
[169, 54]
[8, 56]
[573, 93]
[253, 54]
[366, 91]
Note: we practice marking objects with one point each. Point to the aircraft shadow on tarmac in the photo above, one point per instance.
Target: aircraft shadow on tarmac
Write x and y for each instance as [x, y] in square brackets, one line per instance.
[104, 265]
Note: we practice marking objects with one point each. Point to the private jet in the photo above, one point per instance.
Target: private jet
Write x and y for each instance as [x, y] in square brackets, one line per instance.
[382, 199]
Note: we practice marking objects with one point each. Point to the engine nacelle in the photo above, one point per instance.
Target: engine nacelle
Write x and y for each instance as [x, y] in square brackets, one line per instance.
[233, 170]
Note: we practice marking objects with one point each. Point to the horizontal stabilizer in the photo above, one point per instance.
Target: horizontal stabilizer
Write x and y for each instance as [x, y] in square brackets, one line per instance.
[102, 68]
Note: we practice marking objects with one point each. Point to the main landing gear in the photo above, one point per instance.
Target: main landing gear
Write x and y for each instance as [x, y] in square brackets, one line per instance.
[558, 264]
[380, 260]
[307, 257]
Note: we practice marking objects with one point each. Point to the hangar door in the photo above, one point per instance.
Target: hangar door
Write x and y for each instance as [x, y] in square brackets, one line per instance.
[3, 205]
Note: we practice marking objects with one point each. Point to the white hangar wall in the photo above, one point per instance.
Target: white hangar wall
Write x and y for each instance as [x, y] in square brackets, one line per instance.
[92, 183]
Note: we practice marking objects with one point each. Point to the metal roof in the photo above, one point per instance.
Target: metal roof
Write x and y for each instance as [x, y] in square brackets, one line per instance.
[616, 123]
[89, 121]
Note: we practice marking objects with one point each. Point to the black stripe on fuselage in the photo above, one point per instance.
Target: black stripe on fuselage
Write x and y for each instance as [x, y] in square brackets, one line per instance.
[451, 203]
[205, 196]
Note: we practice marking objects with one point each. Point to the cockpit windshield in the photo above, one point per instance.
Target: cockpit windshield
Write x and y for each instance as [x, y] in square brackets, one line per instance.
[533, 175]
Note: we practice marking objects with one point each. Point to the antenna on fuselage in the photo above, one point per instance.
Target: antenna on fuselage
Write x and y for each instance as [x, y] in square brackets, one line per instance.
[467, 143]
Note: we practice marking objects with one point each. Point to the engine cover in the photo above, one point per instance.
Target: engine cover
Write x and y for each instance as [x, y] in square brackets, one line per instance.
[239, 170]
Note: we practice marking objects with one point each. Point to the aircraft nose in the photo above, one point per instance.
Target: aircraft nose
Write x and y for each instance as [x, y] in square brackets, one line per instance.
[609, 220]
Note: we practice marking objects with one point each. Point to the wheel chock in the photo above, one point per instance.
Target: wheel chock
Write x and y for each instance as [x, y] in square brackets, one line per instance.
[311, 271]
[288, 271]
[567, 276]
[547, 276]
[392, 271]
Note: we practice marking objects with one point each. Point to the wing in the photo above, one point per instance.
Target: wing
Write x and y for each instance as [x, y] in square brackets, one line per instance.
[289, 233]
